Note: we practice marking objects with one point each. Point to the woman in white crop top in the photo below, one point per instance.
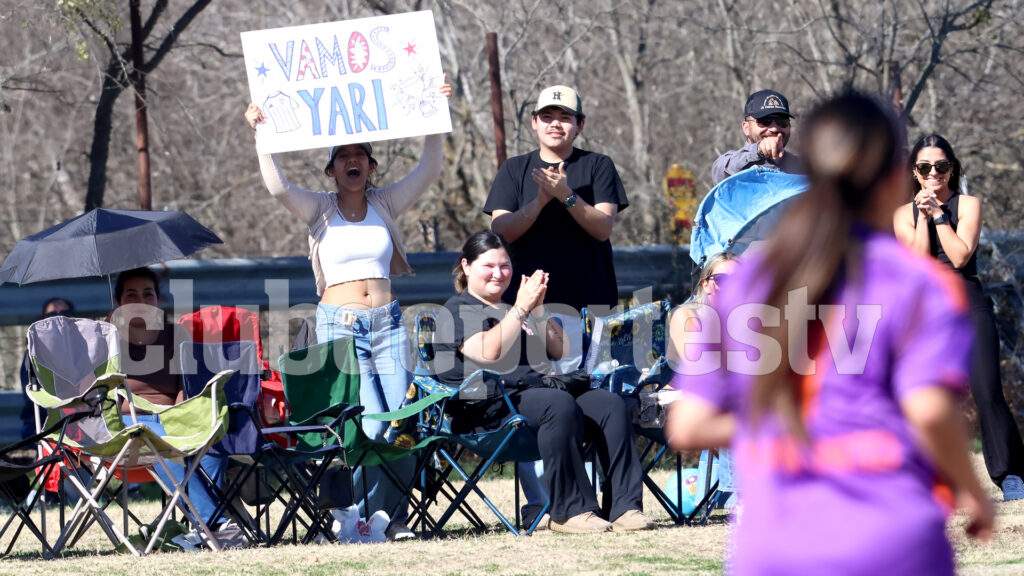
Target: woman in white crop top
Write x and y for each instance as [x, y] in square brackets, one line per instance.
[355, 247]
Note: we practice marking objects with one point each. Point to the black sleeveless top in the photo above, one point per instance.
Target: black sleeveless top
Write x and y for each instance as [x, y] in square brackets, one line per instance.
[951, 210]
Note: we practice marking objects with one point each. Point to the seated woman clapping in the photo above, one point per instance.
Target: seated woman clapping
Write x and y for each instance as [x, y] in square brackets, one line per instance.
[490, 335]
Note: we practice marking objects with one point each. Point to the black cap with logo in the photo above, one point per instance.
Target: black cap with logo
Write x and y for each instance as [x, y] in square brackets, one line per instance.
[765, 103]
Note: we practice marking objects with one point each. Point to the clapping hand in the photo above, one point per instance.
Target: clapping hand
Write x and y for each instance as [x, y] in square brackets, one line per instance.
[928, 203]
[531, 291]
[552, 183]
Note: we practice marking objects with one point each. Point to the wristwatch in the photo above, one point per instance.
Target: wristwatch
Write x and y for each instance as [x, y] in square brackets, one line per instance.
[570, 200]
[941, 220]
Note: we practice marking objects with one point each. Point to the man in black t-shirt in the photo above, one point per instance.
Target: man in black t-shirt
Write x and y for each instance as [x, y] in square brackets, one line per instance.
[556, 206]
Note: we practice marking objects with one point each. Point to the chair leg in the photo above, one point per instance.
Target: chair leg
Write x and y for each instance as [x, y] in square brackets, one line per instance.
[440, 485]
[471, 485]
[22, 509]
[87, 502]
[300, 501]
[179, 494]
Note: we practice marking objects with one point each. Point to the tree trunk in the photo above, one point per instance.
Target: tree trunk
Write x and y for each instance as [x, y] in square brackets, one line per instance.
[102, 126]
[141, 120]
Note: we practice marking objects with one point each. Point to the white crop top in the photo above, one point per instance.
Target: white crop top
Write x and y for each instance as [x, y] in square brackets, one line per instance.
[356, 250]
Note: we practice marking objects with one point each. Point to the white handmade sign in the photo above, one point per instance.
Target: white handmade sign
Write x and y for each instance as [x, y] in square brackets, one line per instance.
[346, 82]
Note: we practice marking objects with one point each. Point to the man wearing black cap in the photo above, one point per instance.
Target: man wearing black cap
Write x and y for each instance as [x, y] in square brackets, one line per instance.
[766, 124]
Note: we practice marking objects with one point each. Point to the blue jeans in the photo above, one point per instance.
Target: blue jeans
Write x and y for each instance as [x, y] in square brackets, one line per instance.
[198, 492]
[382, 349]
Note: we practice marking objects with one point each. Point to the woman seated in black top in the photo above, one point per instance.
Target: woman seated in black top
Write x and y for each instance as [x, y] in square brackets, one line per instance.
[490, 335]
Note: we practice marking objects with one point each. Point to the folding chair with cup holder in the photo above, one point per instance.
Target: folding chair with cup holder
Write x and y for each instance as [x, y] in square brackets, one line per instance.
[67, 354]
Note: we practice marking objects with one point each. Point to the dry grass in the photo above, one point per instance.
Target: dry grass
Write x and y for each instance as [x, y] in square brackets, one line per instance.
[668, 550]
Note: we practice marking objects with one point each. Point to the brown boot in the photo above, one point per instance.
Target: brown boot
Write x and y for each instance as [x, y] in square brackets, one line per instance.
[632, 520]
[585, 523]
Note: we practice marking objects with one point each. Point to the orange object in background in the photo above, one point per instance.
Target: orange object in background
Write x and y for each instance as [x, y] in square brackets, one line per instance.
[681, 191]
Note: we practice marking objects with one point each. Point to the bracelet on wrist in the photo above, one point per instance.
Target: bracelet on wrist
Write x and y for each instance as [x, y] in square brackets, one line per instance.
[518, 312]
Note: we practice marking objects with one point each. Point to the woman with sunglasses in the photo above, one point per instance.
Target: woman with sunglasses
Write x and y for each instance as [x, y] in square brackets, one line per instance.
[946, 224]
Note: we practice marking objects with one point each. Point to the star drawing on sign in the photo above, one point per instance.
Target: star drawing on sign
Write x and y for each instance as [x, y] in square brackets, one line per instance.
[262, 70]
[557, 95]
[410, 48]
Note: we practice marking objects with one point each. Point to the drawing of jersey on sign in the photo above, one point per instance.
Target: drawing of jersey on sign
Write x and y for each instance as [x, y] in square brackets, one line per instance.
[280, 108]
[419, 91]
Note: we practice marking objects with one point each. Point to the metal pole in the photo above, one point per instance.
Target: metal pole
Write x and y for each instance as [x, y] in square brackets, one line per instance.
[496, 109]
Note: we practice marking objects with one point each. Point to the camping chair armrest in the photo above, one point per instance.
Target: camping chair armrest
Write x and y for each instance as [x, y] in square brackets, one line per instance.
[288, 430]
[47, 401]
[31, 441]
[312, 426]
[346, 414]
[430, 385]
[411, 409]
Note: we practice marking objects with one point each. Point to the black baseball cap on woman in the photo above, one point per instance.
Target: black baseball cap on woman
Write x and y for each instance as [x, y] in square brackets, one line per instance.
[766, 103]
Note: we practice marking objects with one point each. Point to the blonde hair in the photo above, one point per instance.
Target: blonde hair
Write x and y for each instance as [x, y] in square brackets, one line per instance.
[699, 294]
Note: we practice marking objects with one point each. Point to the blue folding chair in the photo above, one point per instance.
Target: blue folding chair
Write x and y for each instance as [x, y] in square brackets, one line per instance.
[514, 440]
[625, 353]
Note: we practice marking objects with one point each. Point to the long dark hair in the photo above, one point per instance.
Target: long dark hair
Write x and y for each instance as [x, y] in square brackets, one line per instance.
[850, 143]
[936, 141]
[476, 245]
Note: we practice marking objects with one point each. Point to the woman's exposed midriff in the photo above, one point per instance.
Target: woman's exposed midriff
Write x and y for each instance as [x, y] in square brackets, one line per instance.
[360, 294]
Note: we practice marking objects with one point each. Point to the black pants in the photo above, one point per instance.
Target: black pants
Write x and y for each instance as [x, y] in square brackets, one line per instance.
[1000, 438]
[563, 424]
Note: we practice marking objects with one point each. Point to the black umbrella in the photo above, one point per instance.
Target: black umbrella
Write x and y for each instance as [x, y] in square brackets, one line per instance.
[102, 242]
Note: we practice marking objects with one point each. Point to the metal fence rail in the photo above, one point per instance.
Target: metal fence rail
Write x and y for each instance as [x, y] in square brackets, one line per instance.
[254, 281]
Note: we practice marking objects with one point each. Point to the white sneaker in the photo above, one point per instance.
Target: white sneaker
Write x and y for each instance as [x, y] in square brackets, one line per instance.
[398, 531]
[190, 541]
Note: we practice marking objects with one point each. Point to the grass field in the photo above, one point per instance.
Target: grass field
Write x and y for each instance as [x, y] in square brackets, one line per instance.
[669, 550]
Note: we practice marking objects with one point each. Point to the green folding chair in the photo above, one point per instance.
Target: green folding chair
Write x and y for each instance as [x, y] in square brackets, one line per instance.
[321, 381]
[74, 357]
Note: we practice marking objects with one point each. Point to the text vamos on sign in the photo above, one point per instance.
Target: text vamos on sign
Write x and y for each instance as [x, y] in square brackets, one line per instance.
[345, 82]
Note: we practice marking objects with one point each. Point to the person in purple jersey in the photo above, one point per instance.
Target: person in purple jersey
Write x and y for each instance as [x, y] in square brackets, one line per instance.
[836, 372]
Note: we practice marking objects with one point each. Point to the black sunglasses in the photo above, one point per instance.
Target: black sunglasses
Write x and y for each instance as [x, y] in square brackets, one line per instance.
[718, 278]
[53, 313]
[925, 168]
[780, 121]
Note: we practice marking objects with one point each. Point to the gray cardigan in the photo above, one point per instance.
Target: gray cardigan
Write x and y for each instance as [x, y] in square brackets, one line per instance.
[317, 208]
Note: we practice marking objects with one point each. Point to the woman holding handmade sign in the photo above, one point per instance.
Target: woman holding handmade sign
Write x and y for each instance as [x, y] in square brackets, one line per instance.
[355, 248]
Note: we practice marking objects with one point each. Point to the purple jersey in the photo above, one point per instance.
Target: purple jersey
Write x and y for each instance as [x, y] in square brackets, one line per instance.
[860, 498]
